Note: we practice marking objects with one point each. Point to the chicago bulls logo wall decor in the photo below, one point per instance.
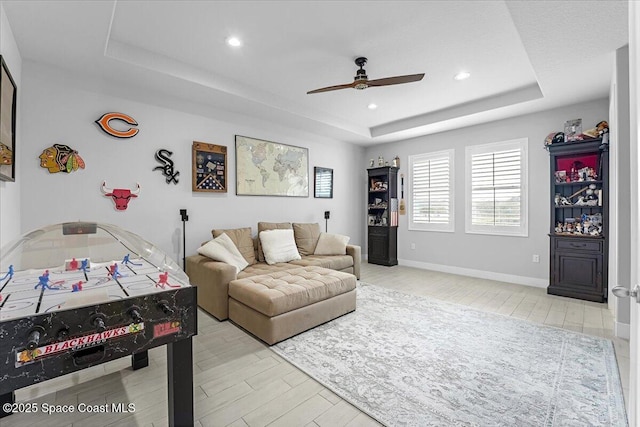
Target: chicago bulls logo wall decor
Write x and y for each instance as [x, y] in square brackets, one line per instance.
[105, 124]
[120, 196]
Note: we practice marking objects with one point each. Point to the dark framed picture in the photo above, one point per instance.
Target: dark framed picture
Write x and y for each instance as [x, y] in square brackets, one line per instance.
[265, 168]
[209, 168]
[323, 183]
[7, 124]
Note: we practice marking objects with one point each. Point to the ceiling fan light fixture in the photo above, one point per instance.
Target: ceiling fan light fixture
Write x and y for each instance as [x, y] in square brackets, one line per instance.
[361, 86]
[234, 41]
[462, 75]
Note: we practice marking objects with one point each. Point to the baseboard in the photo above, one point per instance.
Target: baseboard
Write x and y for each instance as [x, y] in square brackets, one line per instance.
[622, 330]
[482, 274]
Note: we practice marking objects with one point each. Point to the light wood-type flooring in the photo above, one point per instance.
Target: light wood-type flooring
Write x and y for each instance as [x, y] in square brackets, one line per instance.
[239, 381]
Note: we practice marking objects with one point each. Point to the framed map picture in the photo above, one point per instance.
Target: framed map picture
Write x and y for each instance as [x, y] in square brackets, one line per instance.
[209, 168]
[265, 168]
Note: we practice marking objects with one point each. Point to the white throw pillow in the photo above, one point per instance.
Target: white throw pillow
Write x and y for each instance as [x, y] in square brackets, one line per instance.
[278, 246]
[223, 249]
[331, 244]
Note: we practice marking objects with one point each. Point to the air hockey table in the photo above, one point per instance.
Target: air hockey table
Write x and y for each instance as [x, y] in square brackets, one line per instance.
[76, 295]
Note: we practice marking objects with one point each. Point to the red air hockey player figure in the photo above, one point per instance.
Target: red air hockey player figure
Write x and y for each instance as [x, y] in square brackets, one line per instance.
[113, 271]
[77, 286]
[163, 279]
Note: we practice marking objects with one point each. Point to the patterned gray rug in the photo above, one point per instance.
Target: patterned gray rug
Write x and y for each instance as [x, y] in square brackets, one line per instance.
[411, 361]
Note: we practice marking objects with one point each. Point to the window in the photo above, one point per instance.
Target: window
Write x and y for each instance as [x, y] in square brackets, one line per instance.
[496, 195]
[431, 186]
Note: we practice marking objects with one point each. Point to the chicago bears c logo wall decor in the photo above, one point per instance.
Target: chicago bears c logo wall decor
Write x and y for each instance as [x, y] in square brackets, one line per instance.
[105, 124]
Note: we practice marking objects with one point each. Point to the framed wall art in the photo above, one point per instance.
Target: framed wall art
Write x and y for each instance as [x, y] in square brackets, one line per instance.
[8, 98]
[265, 168]
[323, 183]
[209, 165]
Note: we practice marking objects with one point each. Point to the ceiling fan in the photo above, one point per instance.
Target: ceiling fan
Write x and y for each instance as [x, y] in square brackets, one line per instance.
[361, 81]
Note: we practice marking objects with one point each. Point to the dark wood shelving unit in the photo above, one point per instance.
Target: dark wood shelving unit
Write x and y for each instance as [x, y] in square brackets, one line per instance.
[382, 215]
[578, 241]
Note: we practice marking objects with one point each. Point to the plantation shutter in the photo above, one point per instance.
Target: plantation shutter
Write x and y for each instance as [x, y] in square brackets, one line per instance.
[497, 190]
[431, 191]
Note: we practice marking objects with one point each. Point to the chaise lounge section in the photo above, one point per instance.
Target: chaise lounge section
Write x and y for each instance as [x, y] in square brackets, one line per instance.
[276, 301]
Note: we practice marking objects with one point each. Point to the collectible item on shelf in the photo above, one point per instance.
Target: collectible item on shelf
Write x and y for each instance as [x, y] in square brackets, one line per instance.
[104, 123]
[380, 161]
[554, 138]
[372, 163]
[396, 162]
[120, 196]
[573, 130]
[68, 303]
[164, 156]
[61, 158]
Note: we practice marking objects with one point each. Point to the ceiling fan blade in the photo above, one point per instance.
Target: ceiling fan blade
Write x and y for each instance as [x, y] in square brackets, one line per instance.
[327, 89]
[396, 80]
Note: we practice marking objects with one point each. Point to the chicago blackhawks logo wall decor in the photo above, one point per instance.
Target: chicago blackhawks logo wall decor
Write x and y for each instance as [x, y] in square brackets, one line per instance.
[105, 124]
[61, 158]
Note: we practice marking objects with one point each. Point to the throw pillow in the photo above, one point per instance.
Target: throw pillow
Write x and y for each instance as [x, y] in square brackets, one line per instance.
[306, 236]
[241, 237]
[223, 249]
[264, 226]
[331, 244]
[278, 246]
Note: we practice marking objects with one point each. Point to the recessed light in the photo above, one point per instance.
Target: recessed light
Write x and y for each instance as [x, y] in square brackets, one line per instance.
[234, 41]
[372, 106]
[462, 75]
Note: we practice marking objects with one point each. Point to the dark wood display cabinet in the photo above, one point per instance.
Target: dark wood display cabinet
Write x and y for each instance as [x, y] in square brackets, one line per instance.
[579, 219]
[382, 215]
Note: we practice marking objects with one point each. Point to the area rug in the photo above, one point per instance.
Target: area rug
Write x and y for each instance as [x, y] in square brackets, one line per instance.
[411, 361]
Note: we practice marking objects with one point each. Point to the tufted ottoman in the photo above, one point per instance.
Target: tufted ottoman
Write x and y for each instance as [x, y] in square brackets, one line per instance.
[279, 305]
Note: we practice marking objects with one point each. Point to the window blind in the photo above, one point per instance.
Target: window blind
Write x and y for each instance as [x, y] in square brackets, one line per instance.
[431, 203]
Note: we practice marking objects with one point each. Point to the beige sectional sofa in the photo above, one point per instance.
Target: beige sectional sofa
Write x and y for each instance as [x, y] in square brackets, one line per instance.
[279, 300]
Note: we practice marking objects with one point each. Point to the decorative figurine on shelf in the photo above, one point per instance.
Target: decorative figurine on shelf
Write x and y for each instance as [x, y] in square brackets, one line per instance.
[9, 273]
[380, 161]
[396, 162]
[372, 163]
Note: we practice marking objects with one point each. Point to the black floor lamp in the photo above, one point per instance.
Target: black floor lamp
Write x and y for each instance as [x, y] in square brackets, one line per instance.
[185, 218]
[326, 220]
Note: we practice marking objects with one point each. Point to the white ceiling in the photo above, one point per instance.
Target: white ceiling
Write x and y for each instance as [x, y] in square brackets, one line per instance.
[524, 56]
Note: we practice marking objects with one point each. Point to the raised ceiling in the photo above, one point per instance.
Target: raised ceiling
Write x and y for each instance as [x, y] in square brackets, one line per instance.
[522, 56]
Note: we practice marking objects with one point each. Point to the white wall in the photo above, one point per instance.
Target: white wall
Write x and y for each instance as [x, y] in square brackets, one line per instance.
[61, 111]
[10, 191]
[498, 257]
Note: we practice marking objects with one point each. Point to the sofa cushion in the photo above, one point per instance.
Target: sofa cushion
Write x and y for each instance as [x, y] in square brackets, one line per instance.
[334, 262]
[260, 268]
[278, 246]
[223, 249]
[331, 244]
[306, 236]
[280, 292]
[264, 226]
[241, 237]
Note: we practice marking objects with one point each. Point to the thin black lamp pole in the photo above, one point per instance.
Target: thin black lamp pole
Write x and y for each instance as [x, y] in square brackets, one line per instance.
[185, 218]
[326, 221]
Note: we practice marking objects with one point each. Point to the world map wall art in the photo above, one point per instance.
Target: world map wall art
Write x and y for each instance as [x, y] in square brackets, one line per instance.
[265, 168]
